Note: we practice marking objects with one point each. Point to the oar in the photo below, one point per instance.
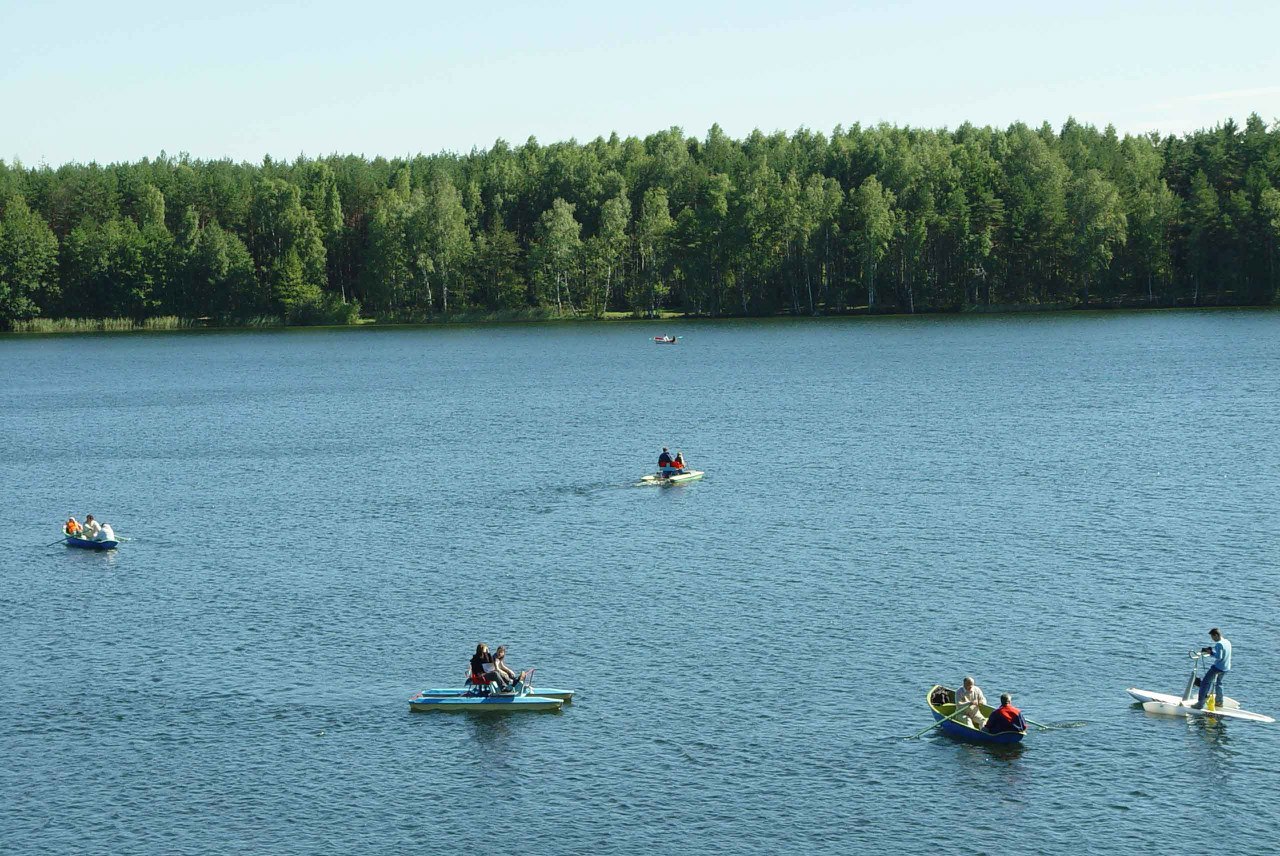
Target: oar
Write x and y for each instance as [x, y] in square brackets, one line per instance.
[1043, 727]
[961, 709]
[59, 541]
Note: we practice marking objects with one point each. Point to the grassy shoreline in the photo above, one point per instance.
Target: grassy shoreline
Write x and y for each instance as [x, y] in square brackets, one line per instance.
[169, 323]
[166, 323]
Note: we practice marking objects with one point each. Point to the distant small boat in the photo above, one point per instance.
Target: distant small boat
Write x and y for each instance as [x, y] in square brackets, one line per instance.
[90, 544]
[942, 702]
[678, 478]
[666, 340]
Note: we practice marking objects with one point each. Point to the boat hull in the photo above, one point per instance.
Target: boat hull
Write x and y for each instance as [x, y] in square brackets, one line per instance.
[965, 731]
[682, 478]
[457, 692]
[1228, 703]
[86, 544]
[483, 704]
[1163, 704]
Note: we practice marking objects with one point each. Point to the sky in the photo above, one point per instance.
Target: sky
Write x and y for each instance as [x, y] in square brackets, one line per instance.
[107, 82]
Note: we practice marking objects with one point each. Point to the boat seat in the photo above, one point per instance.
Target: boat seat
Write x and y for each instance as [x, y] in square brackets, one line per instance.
[480, 682]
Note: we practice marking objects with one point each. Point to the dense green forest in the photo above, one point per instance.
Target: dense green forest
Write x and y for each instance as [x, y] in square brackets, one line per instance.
[879, 219]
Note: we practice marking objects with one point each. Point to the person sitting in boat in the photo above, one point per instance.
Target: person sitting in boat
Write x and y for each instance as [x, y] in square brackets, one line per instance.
[664, 462]
[483, 671]
[677, 463]
[504, 671]
[72, 528]
[92, 529]
[1006, 717]
[971, 694]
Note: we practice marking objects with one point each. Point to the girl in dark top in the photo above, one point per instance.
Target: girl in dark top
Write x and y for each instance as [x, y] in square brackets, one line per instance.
[482, 668]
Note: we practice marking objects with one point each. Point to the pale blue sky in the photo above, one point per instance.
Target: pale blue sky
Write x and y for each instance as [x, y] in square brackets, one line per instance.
[84, 81]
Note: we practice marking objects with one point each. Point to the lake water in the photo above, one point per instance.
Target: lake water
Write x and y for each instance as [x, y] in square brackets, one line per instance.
[323, 522]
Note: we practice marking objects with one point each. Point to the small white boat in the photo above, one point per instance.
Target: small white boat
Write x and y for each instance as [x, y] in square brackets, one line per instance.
[1170, 705]
[1166, 704]
[678, 478]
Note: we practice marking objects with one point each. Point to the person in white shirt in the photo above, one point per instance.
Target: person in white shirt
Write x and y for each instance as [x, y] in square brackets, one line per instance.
[971, 692]
[91, 528]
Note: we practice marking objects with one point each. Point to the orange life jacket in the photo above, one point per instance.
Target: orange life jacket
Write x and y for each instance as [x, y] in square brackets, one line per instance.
[72, 527]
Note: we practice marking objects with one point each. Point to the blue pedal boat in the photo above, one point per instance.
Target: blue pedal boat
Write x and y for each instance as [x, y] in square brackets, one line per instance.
[478, 701]
[565, 696]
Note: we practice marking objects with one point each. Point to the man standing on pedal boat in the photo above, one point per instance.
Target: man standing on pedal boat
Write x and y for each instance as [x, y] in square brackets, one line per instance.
[1212, 680]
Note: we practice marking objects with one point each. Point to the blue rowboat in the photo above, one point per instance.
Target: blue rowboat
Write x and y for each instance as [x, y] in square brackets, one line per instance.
[87, 544]
[483, 702]
[942, 702]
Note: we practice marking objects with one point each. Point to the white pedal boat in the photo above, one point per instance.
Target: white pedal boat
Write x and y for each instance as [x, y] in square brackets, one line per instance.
[1170, 705]
[679, 478]
[1165, 704]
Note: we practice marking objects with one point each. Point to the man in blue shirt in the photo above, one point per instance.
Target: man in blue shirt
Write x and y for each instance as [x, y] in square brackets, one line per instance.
[1212, 680]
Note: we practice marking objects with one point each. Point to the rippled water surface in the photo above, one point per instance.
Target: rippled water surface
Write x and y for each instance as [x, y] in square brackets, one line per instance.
[322, 523]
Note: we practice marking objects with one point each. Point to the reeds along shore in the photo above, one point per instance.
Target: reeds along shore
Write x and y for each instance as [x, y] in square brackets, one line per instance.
[170, 322]
[101, 325]
[173, 322]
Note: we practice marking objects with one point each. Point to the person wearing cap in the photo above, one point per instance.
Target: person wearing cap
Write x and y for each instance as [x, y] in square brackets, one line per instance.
[72, 527]
[664, 462]
[971, 694]
[1006, 717]
[1212, 680]
[677, 463]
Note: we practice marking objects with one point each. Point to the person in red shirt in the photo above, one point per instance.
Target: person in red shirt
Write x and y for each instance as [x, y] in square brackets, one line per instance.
[678, 463]
[1006, 717]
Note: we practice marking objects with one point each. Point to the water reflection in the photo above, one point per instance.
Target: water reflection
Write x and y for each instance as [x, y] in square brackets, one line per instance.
[94, 558]
[991, 754]
[1211, 747]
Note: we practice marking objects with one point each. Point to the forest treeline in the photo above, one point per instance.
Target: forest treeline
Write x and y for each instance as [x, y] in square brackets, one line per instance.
[879, 219]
